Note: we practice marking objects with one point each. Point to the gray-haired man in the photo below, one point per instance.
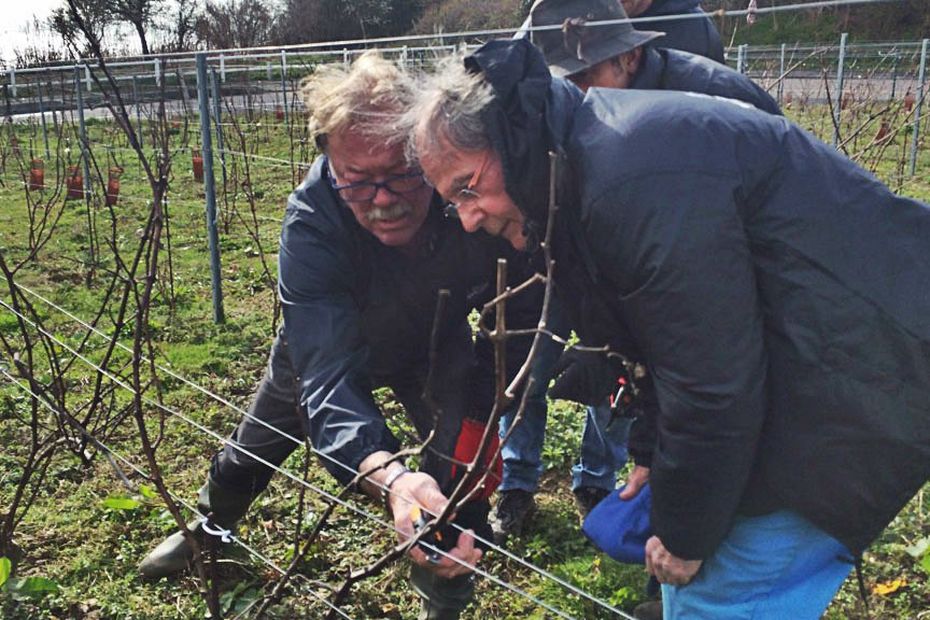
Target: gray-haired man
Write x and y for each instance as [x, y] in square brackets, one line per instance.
[608, 56]
[776, 292]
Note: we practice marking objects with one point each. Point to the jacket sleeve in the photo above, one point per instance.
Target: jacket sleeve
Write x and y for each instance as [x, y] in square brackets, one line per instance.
[642, 438]
[321, 325]
[676, 250]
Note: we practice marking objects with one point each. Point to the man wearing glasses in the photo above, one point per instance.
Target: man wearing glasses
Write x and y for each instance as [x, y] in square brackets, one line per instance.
[613, 55]
[365, 250]
[776, 292]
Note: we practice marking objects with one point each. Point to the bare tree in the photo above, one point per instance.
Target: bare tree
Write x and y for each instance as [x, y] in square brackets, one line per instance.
[95, 14]
[40, 49]
[236, 23]
[138, 13]
[459, 15]
[181, 24]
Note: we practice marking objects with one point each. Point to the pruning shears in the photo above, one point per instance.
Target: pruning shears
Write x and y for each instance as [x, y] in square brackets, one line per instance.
[624, 400]
[441, 539]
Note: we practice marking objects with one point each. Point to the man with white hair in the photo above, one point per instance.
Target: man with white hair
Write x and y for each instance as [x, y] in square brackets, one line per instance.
[612, 55]
[776, 292]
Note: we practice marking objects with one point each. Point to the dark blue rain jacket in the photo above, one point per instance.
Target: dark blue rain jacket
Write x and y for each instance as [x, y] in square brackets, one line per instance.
[779, 294]
[697, 35]
[668, 69]
[359, 314]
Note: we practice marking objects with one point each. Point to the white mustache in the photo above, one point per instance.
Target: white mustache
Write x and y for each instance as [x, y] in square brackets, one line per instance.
[389, 213]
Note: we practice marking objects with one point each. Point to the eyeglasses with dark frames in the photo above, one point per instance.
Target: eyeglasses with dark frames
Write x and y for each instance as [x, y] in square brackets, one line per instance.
[365, 191]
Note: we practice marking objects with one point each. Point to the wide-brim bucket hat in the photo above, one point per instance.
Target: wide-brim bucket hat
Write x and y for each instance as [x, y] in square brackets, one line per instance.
[578, 45]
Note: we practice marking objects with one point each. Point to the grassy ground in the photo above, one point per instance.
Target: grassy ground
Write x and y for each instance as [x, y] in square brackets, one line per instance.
[86, 544]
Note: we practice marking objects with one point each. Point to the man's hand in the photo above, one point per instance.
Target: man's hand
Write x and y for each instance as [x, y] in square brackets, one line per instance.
[666, 567]
[423, 489]
[638, 477]
[586, 377]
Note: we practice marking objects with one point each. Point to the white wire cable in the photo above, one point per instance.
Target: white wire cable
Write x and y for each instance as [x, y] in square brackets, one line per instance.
[276, 160]
[333, 47]
[329, 496]
[16, 179]
[490, 544]
[227, 536]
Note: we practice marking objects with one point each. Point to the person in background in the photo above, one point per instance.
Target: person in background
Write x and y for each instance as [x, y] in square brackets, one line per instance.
[697, 35]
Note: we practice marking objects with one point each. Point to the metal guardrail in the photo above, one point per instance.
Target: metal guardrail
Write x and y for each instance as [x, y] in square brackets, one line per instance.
[266, 77]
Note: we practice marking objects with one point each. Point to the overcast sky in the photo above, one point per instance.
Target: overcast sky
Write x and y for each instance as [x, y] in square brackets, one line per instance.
[17, 17]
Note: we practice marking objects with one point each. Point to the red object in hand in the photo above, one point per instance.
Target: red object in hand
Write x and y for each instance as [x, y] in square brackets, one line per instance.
[467, 447]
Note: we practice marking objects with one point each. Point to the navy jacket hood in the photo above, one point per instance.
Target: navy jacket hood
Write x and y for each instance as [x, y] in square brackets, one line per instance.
[517, 120]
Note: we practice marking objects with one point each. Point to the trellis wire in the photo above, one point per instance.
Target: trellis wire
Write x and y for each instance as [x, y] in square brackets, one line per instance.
[193, 509]
[330, 497]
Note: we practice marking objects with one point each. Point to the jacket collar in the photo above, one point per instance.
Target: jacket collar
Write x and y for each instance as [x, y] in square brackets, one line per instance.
[530, 116]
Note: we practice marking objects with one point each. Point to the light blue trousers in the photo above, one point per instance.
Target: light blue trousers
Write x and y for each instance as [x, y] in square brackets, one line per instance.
[773, 567]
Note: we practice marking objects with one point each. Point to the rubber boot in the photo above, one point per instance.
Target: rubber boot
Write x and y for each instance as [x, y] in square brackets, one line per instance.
[174, 554]
[442, 599]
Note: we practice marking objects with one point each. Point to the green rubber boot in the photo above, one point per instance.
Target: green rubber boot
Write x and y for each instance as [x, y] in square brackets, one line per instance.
[174, 554]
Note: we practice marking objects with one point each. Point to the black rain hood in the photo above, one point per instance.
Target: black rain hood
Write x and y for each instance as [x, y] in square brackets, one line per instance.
[519, 121]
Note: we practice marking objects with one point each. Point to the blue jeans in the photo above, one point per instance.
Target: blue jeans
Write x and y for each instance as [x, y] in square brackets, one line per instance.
[603, 450]
[767, 568]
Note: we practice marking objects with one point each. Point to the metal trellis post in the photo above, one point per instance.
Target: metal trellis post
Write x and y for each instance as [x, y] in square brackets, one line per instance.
[781, 76]
[894, 73]
[284, 86]
[82, 128]
[135, 100]
[217, 116]
[51, 85]
[838, 97]
[209, 186]
[223, 68]
[48, 153]
[921, 93]
[87, 79]
[13, 82]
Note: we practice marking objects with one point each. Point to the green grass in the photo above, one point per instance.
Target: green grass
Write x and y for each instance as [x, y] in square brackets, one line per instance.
[90, 550]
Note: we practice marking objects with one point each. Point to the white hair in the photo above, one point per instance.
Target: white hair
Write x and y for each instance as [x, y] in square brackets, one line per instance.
[447, 106]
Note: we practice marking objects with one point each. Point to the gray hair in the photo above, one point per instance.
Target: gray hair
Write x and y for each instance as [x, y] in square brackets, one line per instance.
[448, 106]
[370, 97]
